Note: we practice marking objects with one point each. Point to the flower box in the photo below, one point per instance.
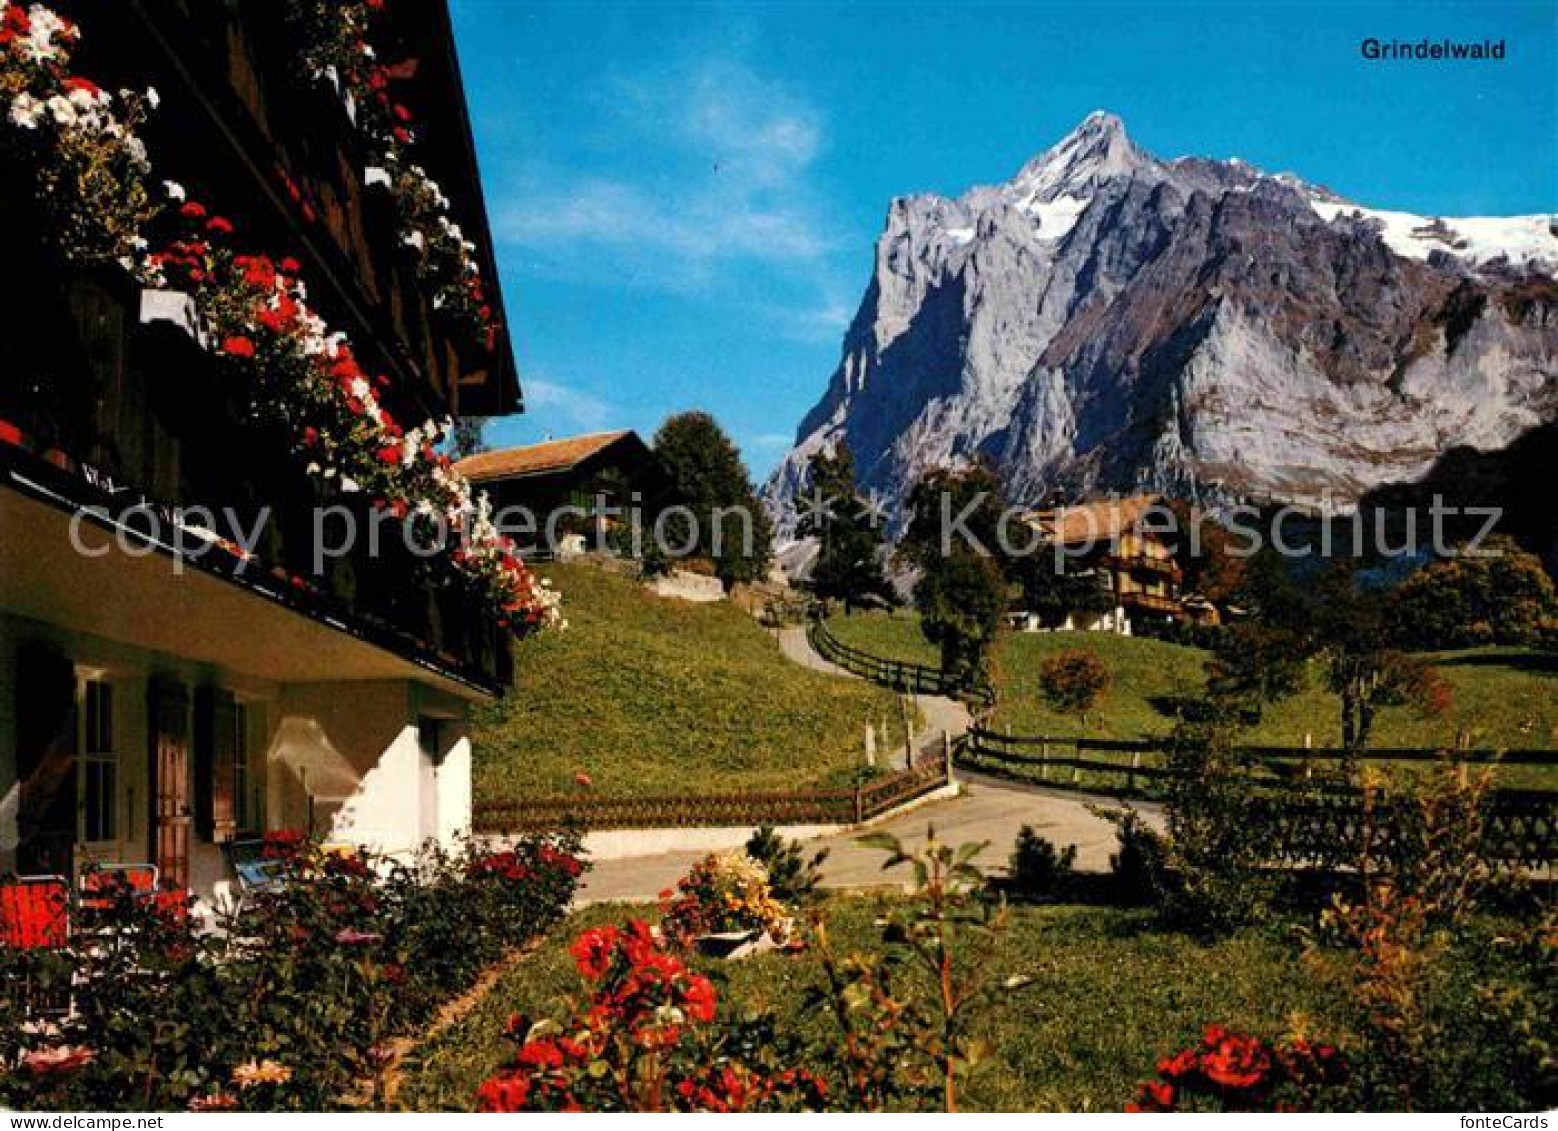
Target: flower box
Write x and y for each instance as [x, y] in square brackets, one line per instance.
[734, 945]
[175, 308]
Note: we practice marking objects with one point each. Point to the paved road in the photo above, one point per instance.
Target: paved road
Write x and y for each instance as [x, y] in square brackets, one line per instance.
[939, 713]
[988, 810]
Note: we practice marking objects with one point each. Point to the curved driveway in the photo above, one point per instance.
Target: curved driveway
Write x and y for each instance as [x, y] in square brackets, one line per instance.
[989, 809]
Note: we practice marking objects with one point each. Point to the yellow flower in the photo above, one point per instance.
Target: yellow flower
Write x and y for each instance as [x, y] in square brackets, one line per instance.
[261, 1072]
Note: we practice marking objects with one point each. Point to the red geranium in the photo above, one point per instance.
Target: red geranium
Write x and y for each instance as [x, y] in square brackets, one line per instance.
[238, 346]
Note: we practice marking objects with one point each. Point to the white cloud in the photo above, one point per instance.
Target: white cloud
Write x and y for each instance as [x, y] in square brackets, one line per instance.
[771, 441]
[722, 176]
[549, 402]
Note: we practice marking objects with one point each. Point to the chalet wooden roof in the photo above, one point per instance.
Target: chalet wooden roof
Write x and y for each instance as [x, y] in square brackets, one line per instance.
[537, 459]
[1099, 521]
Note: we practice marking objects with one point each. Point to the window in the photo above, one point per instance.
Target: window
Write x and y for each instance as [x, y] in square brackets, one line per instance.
[99, 779]
[248, 779]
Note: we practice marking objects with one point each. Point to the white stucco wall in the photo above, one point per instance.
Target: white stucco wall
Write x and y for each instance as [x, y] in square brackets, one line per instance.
[351, 746]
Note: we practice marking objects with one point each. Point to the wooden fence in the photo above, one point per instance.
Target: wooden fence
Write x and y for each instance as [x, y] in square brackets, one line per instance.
[1136, 765]
[898, 675]
[795, 807]
[1314, 819]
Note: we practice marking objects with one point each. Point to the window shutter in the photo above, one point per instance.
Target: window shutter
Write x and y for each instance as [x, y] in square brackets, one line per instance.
[214, 751]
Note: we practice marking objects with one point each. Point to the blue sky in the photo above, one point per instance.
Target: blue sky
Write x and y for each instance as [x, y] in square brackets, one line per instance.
[686, 197]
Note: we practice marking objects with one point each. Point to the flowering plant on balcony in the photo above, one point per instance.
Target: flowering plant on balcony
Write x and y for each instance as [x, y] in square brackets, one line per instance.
[306, 378]
[335, 46]
[724, 892]
[85, 167]
[446, 259]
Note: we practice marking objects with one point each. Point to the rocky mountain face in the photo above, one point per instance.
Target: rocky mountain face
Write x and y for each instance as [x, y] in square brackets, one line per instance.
[1108, 321]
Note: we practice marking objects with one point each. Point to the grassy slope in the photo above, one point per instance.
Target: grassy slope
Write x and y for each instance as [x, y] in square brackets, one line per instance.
[1506, 697]
[652, 695]
[1110, 995]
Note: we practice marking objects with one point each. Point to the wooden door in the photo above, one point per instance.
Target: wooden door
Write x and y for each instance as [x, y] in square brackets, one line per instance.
[170, 813]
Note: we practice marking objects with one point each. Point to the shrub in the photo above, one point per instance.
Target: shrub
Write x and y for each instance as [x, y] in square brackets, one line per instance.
[1037, 870]
[1074, 682]
[1136, 868]
[1214, 880]
[1446, 1009]
[792, 878]
[1231, 1071]
[904, 1010]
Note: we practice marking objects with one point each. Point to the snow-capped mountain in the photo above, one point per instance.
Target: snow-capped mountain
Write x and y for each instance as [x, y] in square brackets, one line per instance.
[1109, 321]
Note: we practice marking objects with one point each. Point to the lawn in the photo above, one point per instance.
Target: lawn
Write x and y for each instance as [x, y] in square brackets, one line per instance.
[1502, 697]
[1109, 995]
[652, 695]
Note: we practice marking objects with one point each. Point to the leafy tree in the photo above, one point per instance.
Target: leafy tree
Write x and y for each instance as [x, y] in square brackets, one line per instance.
[962, 589]
[1353, 631]
[1466, 601]
[1253, 665]
[1209, 565]
[1074, 682]
[849, 564]
[945, 504]
[732, 528]
[469, 437]
[960, 600]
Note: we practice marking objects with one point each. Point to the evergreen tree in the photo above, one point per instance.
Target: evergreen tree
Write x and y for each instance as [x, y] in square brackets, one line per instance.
[469, 437]
[849, 565]
[729, 526]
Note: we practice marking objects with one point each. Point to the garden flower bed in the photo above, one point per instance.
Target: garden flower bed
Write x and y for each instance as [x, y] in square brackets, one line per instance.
[291, 1003]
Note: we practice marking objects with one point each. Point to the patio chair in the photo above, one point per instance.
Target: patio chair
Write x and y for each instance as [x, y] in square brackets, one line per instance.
[255, 872]
[35, 912]
[35, 919]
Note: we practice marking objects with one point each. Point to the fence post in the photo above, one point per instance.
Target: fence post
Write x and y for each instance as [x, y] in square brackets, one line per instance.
[1130, 779]
[859, 806]
[946, 756]
[1044, 761]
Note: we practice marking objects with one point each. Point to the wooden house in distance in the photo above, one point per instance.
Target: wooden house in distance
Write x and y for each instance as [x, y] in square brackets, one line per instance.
[561, 483]
[1116, 544]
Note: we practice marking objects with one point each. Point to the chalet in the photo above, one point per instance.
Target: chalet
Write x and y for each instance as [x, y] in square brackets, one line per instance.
[559, 482]
[1119, 560]
[168, 684]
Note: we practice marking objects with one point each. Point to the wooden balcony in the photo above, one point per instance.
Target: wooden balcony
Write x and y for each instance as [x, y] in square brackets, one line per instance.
[107, 412]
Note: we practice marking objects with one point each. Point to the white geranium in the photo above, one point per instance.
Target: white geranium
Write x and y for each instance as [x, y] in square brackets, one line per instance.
[175, 191]
[61, 110]
[26, 111]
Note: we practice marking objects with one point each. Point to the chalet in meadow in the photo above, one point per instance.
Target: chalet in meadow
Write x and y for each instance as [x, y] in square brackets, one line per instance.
[562, 481]
[1114, 544]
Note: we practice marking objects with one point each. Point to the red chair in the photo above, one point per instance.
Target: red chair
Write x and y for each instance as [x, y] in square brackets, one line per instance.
[35, 912]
